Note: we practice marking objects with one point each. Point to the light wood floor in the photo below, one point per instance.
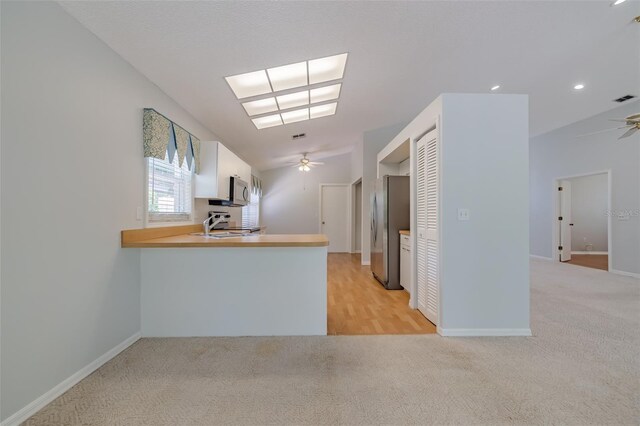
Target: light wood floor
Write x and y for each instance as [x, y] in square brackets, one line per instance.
[596, 261]
[358, 304]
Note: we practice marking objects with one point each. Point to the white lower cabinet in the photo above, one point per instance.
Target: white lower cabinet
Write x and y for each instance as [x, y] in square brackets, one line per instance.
[405, 262]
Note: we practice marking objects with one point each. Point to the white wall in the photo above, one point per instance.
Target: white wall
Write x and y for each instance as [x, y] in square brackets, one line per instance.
[562, 153]
[291, 198]
[72, 178]
[356, 161]
[404, 168]
[589, 203]
[484, 168]
[373, 142]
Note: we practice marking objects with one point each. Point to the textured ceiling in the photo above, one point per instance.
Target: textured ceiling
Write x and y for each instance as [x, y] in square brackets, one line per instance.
[401, 56]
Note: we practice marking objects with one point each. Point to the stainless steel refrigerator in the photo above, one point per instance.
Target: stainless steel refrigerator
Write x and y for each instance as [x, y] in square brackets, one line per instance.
[390, 207]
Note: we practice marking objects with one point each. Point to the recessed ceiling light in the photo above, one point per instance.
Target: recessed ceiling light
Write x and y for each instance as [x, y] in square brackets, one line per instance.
[617, 2]
[249, 84]
[496, 87]
[267, 121]
[323, 110]
[327, 69]
[293, 100]
[579, 86]
[296, 115]
[326, 93]
[261, 106]
[288, 76]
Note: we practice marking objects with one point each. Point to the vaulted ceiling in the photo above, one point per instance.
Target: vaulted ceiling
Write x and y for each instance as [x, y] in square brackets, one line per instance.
[401, 56]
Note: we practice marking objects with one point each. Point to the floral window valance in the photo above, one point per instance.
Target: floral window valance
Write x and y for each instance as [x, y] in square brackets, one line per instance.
[162, 136]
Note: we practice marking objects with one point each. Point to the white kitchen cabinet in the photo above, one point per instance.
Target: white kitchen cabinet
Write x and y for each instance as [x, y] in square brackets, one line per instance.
[217, 164]
[405, 262]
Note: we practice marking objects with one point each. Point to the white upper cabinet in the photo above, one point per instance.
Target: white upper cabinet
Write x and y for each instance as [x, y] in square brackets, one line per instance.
[217, 165]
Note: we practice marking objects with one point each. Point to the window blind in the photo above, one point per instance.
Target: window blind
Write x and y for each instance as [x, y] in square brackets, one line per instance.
[170, 194]
[251, 212]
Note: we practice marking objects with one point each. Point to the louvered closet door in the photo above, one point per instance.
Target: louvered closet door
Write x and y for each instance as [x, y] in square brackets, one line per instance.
[428, 249]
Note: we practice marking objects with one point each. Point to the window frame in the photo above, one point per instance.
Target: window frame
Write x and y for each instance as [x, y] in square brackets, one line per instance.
[250, 203]
[158, 224]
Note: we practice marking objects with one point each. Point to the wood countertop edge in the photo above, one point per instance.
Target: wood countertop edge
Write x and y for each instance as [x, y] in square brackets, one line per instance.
[258, 240]
[224, 244]
[405, 232]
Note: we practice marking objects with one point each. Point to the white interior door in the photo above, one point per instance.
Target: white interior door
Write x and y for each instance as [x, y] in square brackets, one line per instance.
[564, 220]
[427, 244]
[334, 216]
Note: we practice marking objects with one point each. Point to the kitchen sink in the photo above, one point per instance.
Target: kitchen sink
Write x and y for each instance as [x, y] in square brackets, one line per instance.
[222, 234]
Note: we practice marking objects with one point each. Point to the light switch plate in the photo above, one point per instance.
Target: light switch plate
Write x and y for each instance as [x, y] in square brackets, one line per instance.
[139, 213]
[463, 214]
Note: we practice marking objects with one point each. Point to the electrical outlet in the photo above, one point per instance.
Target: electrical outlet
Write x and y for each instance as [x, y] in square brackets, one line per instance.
[463, 214]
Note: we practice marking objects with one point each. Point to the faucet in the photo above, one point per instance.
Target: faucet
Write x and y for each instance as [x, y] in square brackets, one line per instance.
[205, 225]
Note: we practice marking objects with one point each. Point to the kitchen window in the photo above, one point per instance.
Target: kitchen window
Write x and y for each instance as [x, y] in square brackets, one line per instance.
[169, 190]
[251, 212]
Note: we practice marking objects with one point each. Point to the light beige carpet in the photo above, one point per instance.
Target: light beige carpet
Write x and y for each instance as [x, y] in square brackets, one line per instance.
[581, 367]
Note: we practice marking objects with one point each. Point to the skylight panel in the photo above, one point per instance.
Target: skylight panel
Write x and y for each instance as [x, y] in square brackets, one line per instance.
[322, 110]
[288, 76]
[327, 93]
[293, 100]
[267, 121]
[295, 115]
[327, 69]
[261, 106]
[249, 84]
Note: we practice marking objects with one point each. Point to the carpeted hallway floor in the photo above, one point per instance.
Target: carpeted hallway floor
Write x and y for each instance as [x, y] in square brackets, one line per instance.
[581, 367]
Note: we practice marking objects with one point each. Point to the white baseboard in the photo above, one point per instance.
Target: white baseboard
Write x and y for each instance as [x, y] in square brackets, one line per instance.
[625, 273]
[486, 332]
[535, 256]
[30, 409]
[355, 251]
[365, 262]
[590, 252]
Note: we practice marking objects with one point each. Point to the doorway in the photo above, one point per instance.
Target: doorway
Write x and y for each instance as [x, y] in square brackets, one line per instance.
[335, 215]
[582, 223]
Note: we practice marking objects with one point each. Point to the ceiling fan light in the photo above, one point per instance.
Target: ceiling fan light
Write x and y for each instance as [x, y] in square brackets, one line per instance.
[306, 168]
[301, 168]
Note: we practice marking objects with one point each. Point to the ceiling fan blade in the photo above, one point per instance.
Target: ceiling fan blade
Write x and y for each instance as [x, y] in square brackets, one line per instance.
[619, 120]
[601, 131]
[629, 133]
[316, 163]
[634, 117]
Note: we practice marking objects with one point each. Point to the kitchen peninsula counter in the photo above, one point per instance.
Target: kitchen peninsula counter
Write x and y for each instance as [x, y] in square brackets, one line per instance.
[258, 240]
[255, 285]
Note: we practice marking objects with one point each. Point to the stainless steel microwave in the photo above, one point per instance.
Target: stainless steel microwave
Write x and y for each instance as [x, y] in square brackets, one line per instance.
[238, 192]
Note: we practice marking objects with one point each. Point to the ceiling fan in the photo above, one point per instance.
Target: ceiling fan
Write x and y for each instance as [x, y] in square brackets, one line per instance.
[304, 165]
[632, 124]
